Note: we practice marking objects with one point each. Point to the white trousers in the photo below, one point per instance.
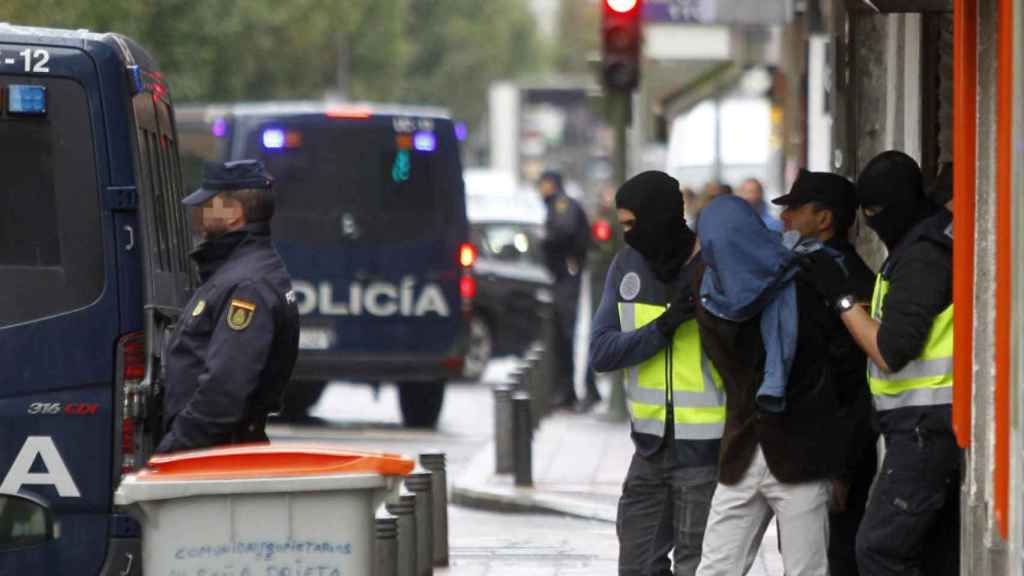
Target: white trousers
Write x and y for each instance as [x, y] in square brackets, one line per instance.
[741, 513]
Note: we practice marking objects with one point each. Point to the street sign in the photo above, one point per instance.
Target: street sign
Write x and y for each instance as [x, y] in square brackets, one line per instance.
[754, 12]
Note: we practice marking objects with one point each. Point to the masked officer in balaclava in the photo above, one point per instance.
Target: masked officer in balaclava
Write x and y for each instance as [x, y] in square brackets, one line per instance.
[911, 526]
[236, 341]
[645, 325]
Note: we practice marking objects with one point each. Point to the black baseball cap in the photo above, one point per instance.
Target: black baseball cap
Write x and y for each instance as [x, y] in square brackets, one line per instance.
[236, 175]
[831, 190]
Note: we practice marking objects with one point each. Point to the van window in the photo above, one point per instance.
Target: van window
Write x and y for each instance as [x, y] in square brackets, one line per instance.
[51, 254]
[357, 181]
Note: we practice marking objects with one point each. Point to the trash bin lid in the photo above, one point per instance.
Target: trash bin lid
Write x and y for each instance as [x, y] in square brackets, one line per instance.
[270, 461]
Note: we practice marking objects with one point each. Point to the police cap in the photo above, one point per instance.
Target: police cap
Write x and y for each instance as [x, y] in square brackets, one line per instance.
[830, 190]
[236, 175]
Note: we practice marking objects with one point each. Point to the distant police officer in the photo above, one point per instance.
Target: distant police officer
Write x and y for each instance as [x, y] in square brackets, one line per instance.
[235, 344]
[823, 206]
[566, 240]
[645, 325]
[911, 525]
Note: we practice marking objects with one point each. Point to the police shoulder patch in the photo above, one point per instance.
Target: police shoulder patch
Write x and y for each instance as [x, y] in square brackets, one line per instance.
[562, 205]
[629, 288]
[240, 314]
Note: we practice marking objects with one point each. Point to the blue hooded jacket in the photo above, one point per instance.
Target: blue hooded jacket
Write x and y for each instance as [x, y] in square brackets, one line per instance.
[750, 271]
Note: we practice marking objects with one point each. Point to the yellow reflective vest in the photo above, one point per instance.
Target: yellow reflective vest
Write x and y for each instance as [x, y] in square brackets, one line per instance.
[926, 380]
[680, 376]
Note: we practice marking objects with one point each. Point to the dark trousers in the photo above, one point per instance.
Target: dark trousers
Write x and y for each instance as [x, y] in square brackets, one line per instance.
[567, 297]
[842, 556]
[664, 507]
[912, 524]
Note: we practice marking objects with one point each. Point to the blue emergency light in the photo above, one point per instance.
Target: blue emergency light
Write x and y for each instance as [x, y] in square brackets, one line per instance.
[424, 141]
[273, 138]
[26, 99]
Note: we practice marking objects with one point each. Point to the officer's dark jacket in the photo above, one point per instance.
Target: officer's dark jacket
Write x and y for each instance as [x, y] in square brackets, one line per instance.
[234, 348]
[567, 235]
[848, 366]
[612, 349]
[803, 442]
[920, 275]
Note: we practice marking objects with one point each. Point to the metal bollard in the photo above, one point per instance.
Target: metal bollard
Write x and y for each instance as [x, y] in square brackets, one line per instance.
[503, 459]
[523, 429]
[404, 507]
[385, 546]
[549, 372]
[535, 387]
[435, 462]
[420, 483]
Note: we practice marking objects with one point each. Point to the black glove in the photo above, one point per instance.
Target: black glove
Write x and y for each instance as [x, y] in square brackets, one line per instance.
[682, 308]
[825, 275]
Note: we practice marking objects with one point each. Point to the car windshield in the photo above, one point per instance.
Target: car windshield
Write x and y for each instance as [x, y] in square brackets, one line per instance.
[508, 242]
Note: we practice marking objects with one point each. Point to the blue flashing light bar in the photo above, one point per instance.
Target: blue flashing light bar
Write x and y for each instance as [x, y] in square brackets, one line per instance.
[273, 139]
[220, 127]
[26, 99]
[461, 132]
[424, 141]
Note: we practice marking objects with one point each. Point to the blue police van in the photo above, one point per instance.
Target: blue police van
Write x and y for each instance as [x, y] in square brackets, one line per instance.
[371, 222]
[94, 262]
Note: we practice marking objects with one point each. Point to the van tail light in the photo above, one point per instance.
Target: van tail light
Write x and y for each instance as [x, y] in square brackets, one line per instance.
[131, 352]
[467, 255]
[467, 282]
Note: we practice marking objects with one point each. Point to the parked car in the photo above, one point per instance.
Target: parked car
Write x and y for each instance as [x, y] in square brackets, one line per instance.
[506, 225]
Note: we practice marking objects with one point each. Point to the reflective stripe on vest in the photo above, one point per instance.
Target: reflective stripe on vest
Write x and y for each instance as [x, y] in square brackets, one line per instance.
[925, 381]
[697, 394]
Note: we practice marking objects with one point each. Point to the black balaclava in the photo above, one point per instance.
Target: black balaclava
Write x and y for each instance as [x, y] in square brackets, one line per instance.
[660, 234]
[892, 181]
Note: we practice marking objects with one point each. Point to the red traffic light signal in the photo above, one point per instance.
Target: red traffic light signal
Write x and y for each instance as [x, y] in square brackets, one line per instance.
[620, 43]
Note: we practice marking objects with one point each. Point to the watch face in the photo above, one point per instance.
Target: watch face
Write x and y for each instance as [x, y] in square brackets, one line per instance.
[845, 303]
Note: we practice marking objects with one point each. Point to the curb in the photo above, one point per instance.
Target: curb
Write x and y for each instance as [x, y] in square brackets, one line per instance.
[480, 488]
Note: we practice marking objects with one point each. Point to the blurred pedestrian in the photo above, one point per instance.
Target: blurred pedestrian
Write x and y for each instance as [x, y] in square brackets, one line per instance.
[823, 206]
[565, 246]
[232, 352]
[760, 321]
[911, 526]
[645, 325]
[752, 191]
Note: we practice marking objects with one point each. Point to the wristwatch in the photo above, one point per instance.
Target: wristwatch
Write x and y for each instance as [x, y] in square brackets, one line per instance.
[845, 303]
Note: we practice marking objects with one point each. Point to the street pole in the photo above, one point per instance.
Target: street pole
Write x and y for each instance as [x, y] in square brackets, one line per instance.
[619, 113]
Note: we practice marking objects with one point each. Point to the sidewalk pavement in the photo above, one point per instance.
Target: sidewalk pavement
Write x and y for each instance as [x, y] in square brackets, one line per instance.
[579, 463]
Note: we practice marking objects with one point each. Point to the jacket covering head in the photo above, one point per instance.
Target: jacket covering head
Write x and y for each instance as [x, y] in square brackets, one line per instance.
[660, 233]
[892, 181]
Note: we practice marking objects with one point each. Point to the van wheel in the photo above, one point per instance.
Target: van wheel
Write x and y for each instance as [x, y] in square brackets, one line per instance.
[421, 403]
[299, 397]
[481, 347]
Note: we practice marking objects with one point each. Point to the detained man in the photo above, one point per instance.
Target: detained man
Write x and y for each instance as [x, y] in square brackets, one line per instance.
[761, 323]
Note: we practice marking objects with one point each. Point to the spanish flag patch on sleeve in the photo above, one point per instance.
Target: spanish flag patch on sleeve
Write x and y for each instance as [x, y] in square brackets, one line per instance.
[240, 314]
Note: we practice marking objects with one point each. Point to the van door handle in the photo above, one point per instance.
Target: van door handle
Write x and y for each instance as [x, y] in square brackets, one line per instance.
[131, 238]
[131, 560]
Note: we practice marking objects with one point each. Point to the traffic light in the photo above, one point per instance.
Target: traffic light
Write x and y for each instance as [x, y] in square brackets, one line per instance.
[620, 43]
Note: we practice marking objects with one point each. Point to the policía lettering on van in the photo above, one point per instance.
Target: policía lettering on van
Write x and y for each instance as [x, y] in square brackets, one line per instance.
[380, 299]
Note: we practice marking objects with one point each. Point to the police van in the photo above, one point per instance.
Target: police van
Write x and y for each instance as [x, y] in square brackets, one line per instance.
[371, 222]
[94, 263]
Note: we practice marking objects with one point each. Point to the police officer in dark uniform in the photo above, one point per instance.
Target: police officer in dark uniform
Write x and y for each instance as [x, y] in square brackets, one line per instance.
[912, 525]
[566, 240]
[823, 206]
[235, 345]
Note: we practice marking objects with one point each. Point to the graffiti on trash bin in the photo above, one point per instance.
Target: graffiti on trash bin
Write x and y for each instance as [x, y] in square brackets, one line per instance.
[262, 558]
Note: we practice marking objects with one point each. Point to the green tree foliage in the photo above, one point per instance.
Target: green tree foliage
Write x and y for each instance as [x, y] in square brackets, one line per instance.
[442, 52]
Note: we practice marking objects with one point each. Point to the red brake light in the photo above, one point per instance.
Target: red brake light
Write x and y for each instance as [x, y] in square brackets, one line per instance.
[350, 113]
[133, 356]
[601, 230]
[467, 287]
[132, 351]
[467, 255]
